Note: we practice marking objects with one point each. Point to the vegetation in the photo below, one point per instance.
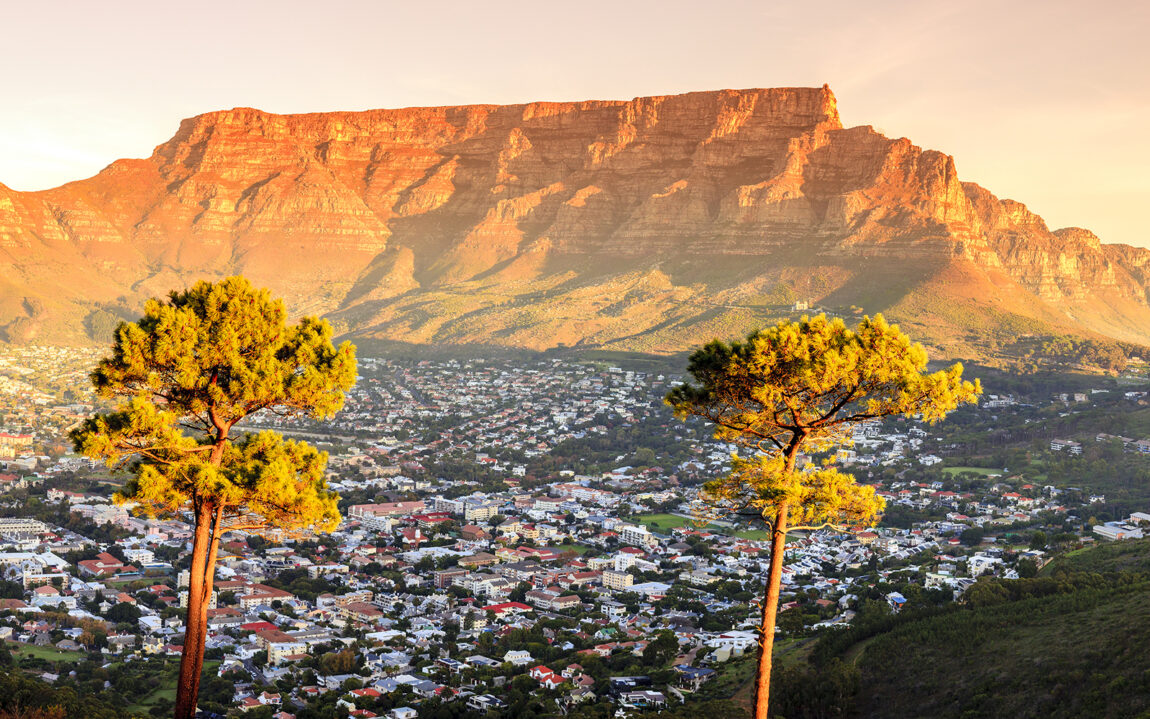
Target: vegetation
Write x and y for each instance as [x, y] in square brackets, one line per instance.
[1069, 643]
[184, 374]
[802, 386]
[22, 697]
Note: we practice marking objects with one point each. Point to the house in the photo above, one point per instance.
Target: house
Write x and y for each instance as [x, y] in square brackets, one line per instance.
[474, 533]
[104, 565]
[518, 657]
[643, 698]
[691, 678]
[552, 681]
[484, 703]
[504, 607]
[480, 559]
[735, 640]
[1057, 445]
[269, 699]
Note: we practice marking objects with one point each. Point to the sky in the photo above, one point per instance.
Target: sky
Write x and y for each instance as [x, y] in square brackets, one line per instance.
[1042, 102]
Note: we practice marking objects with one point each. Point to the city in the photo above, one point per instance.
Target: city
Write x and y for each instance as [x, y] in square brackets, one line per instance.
[518, 536]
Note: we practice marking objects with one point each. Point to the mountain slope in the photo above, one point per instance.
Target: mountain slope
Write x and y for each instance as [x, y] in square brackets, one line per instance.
[649, 224]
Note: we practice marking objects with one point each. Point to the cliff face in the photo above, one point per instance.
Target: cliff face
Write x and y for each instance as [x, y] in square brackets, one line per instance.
[646, 224]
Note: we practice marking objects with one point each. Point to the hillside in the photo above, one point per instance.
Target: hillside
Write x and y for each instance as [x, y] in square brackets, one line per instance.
[643, 225]
[1072, 643]
[1074, 655]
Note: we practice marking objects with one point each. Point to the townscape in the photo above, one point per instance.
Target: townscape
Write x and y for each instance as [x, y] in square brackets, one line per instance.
[520, 536]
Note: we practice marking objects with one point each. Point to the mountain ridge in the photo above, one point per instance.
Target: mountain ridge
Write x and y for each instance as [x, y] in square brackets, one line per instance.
[648, 224]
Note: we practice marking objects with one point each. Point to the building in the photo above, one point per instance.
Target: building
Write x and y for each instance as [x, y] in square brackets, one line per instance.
[585, 495]
[1117, 531]
[386, 509]
[637, 536]
[14, 444]
[617, 580]
[1057, 445]
[21, 527]
[480, 510]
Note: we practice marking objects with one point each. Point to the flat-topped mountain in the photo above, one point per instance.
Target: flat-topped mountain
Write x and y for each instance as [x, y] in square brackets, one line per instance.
[650, 224]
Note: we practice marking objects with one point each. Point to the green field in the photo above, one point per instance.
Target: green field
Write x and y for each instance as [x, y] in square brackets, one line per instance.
[951, 471]
[759, 535]
[663, 523]
[155, 697]
[577, 548]
[50, 654]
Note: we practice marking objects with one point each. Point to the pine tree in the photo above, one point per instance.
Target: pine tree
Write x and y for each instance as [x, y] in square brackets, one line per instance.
[184, 375]
[802, 386]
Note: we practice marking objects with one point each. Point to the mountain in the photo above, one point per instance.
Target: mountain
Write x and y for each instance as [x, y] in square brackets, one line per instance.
[650, 224]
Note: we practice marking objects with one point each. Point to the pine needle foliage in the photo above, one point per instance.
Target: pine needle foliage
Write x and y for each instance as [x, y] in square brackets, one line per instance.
[183, 376]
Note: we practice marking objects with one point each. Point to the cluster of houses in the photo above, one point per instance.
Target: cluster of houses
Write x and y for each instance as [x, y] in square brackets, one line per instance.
[437, 586]
[493, 407]
[401, 575]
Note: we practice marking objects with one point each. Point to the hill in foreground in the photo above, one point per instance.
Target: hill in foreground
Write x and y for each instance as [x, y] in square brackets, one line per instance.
[1074, 642]
[644, 225]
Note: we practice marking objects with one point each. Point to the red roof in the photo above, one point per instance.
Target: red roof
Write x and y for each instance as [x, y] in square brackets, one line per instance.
[507, 606]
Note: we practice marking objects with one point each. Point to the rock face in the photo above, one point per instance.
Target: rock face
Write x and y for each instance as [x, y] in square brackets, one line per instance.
[649, 225]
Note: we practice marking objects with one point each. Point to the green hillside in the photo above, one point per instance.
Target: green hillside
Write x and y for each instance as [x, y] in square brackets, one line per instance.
[1074, 642]
[1128, 556]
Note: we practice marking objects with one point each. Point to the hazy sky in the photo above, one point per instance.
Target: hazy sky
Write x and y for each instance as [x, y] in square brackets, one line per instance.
[1044, 102]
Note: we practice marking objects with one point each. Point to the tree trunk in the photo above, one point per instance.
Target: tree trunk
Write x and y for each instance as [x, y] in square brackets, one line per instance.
[196, 621]
[209, 520]
[770, 611]
[209, 581]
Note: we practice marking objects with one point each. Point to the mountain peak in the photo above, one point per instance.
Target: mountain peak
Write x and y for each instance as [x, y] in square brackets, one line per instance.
[649, 223]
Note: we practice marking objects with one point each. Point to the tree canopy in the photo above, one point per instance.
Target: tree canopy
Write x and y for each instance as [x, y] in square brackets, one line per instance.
[187, 372]
[814, 379]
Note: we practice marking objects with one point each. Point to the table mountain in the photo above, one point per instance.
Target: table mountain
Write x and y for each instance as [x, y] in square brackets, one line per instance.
[650, 224]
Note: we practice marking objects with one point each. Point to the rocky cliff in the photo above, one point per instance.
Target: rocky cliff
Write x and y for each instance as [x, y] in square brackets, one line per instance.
[649, 224]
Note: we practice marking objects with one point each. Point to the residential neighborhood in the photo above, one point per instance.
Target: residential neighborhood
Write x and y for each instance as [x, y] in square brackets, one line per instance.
[512, 532]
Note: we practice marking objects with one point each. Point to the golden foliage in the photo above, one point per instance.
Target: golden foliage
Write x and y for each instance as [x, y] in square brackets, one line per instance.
[801, 386]
[821, 497]
[188, 371]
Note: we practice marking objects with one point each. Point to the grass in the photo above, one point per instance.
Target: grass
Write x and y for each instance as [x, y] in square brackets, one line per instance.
[951, 471]
[153, 698]
[760, 535]
[791, 651]
[577, 548]
[855, 653]
[664, 523]
[737, 676]
[51, 654]
[735, 679]
[167, 690]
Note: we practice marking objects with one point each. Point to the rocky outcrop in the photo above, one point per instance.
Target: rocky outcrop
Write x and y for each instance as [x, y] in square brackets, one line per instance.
[644, 224]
